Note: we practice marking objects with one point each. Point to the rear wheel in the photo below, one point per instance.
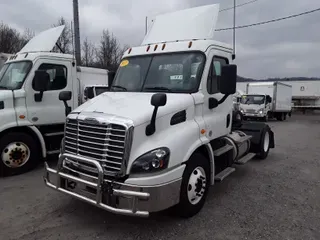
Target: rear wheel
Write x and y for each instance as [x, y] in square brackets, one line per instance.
[194, 186]
[264, 144]
[18, 153]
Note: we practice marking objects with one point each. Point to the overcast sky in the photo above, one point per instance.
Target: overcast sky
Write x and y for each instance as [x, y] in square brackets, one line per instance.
[283, 49]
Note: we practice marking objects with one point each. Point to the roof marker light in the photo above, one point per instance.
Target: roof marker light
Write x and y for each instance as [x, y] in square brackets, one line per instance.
[148, 48]
[155, 47]
[163, 46]
[129, 50]
[190, 44]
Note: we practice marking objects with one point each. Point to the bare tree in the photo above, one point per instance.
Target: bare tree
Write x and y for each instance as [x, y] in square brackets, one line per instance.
[65, 40]
[109, 52]
[88, 53]
[26, 37]
[9, 39]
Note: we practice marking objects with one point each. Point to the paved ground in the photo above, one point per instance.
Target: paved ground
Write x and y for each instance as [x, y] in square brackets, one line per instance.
[278, 198]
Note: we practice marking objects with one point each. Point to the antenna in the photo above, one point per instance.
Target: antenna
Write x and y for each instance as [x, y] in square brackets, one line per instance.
[234, 30]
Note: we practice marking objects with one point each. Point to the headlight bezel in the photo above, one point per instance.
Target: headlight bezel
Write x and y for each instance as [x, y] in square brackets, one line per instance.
[152, 161]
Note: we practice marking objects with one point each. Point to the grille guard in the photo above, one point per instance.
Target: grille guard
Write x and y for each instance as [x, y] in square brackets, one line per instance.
[98, 185]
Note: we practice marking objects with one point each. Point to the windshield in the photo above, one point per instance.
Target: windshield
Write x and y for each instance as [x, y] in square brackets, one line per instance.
[252, 99]
[12, 75]
[176, 72]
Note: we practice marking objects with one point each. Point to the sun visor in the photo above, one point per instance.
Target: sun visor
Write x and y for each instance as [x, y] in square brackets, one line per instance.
[192, 23]
[44, 41]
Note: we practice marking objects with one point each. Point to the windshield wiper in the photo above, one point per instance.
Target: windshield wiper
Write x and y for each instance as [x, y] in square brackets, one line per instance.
[117, 86]
[159, 88]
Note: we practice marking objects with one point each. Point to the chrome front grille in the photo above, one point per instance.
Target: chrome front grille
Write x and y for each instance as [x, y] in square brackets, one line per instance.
[103, 142]
[250, 111]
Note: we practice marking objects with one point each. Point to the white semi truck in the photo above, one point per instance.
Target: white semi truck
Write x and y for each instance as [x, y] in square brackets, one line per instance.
[265, 100]
[32, 118]
[152, 142]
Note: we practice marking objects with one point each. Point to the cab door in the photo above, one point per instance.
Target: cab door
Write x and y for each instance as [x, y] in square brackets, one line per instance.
[217, 119]
[49, 110]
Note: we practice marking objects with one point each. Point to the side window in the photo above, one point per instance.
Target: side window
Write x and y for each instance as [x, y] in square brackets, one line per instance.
[215, 71]
[58, 76]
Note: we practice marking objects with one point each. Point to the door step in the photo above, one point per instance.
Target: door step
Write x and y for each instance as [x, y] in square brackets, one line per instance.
[222, 150]
[245, 159]
[225, 173]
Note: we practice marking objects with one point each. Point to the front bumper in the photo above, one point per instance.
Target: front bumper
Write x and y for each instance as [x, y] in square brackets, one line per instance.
[115, 197]
[256, 115]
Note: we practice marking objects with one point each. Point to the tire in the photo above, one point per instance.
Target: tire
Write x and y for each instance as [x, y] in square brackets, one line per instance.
[264, 144]
[26, 152]
[196, 167]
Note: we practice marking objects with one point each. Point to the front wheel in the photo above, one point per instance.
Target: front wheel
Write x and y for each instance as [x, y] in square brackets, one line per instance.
[194, 186]
[19, 153]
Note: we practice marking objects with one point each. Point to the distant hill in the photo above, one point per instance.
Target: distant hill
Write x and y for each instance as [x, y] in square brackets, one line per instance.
[243, 79]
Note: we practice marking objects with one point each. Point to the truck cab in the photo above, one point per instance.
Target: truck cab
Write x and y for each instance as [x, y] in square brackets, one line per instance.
[166, 130]
[32, 116]
[255, 105]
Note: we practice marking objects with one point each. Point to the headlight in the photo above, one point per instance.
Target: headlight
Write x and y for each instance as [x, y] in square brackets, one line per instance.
[260, 112]
[153, 161]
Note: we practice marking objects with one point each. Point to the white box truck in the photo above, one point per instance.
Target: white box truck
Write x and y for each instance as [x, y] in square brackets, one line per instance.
[32, 118]
[152, 142]
[265, 100]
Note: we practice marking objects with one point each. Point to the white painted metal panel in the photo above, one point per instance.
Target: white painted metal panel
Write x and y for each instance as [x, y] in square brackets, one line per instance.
[44, 41]
[283, 97]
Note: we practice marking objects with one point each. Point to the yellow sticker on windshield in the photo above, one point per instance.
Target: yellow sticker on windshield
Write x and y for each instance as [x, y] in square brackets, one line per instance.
[124, 63]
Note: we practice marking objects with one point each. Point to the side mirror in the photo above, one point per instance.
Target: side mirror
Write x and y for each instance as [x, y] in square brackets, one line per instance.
[40, 83]
[66, 96]
[111, 76]
[228, 79]
[90, 93]
[159, 100]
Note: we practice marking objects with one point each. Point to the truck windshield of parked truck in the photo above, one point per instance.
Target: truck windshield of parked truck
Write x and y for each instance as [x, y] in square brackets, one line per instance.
[174, 72]
[253, 99]
[12, 75]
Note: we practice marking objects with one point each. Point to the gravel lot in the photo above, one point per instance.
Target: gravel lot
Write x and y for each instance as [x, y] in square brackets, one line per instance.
[278, 198]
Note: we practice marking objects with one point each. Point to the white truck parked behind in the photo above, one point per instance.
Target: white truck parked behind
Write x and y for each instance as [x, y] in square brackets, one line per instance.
[265, 100]
[31, 116]
[152, 142]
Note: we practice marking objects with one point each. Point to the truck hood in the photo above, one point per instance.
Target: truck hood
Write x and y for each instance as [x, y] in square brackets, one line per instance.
[134, 106]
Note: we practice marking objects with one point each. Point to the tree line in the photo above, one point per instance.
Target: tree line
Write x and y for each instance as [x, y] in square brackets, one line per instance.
[105, 54]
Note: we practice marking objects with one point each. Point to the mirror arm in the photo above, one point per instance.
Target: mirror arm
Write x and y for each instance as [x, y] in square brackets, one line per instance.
[223, 98]
[38, 96]
[151, 128]
[67, 108]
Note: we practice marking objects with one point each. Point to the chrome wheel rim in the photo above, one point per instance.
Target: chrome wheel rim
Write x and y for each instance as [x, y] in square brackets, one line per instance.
[196, 185]
[15, 155]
